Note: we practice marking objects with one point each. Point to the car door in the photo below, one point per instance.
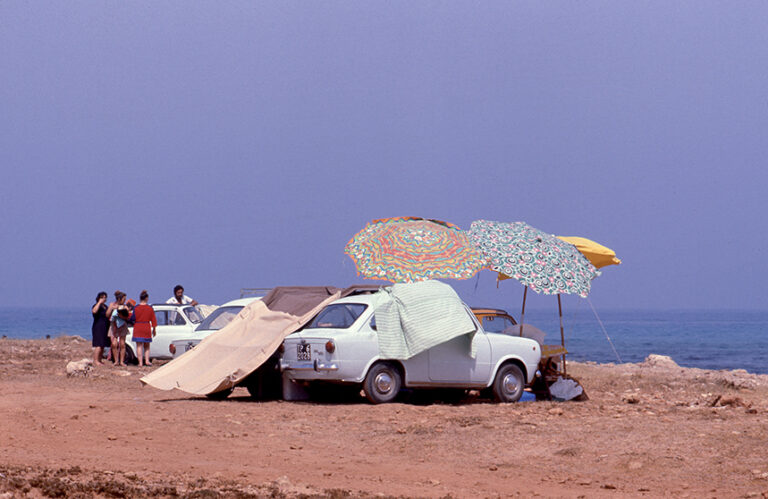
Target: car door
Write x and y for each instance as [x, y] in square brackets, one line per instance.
[451, 362]
[171, 326]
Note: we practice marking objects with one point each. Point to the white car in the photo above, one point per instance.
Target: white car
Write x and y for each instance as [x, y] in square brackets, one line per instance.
[340, 345]
[215, 321]
[173, 322]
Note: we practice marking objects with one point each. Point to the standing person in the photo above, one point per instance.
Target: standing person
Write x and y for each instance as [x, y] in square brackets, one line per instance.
[115, 342]
[144, 329]
[179, 298]
[120, 317]
[100, 328]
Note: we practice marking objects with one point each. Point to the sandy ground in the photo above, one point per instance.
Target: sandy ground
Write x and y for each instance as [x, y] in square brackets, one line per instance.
[648, 430]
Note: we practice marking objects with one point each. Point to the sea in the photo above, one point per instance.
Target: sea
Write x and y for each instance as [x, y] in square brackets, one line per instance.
[707, 339]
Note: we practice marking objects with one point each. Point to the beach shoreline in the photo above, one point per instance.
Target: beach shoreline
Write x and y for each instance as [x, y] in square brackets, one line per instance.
[648, 429]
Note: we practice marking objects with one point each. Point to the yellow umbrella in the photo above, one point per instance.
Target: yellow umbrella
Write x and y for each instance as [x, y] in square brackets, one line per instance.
[599, 255]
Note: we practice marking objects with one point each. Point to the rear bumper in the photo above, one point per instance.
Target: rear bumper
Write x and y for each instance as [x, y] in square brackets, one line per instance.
[318, 366]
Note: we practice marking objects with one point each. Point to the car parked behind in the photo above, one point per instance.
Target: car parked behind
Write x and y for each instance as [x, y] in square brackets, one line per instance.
[219, 318]
[173, 322]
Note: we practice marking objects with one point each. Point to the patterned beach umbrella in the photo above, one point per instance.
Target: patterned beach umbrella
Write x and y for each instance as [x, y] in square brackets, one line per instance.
[541, 261]
[408, 249]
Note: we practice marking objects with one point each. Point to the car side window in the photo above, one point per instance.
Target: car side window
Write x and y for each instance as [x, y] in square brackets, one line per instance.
[162, 317]
[372, 324]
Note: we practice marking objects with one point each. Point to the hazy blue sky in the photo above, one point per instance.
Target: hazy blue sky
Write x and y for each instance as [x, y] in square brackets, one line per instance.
[241, 144]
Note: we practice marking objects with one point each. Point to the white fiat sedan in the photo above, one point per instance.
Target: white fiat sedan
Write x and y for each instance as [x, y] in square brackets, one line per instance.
[173, 322]
[219, 318]
[340, 345]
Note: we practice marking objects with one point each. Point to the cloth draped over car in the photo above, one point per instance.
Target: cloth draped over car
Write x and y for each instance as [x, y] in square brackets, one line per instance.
[414, 317]
[228, 356]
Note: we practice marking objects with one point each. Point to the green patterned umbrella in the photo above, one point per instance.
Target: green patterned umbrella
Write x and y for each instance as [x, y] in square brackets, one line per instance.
[540, 261]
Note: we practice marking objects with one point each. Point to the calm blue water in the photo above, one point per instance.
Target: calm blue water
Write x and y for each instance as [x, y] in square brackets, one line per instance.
[705, 339]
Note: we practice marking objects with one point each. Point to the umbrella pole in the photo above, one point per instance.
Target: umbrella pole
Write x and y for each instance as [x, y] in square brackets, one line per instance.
[522, 314]
[562, 334]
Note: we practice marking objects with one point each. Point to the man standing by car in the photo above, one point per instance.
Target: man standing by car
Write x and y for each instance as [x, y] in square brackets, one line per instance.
[179, 298]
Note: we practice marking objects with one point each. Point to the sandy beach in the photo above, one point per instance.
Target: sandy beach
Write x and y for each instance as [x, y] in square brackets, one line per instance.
[648, 430]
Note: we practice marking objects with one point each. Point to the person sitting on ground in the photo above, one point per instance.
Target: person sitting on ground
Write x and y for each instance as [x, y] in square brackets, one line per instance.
[179, 298]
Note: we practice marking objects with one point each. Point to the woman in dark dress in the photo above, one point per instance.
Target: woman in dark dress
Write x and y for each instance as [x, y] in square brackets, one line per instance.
[100, 328]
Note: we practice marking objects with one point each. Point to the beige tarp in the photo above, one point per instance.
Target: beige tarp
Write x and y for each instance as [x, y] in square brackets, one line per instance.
[228, 356]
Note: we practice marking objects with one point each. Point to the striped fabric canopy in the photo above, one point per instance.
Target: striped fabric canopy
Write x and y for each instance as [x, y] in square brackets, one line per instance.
[539, 260]
[408, 249]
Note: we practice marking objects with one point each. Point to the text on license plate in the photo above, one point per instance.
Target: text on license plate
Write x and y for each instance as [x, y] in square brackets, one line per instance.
[303, 351]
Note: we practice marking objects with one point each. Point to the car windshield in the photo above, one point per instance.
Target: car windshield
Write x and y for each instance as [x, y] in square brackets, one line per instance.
[338, 316]
[193, 314]
[219, 318]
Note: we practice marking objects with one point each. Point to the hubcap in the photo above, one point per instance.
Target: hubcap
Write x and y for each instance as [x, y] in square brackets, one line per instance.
[383, 382]
[510, 384]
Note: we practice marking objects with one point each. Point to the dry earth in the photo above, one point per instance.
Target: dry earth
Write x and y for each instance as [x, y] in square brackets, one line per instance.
[648, 430]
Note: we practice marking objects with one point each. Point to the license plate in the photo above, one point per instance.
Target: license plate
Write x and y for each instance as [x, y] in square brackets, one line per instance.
[303, 351]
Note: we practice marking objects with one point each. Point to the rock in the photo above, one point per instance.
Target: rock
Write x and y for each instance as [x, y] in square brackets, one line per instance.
[630, 398]
[80, 368]
[555, 411]
[660, 361]
[737, 379]
[728, 401]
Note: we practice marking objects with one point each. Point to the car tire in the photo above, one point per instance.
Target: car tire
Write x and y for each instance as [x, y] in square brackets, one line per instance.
[221, 394]
[266, 382]
[382, 383]
[130, 356]
[509, 384]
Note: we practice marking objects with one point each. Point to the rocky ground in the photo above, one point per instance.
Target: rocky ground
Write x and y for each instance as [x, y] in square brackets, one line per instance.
[648, 430]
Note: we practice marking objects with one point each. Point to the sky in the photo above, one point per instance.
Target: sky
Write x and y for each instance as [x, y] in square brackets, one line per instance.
[241, 144]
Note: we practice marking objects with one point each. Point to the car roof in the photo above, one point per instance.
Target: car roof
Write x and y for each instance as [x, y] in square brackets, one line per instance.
[368, 299]
[241, 301]
[480, 310]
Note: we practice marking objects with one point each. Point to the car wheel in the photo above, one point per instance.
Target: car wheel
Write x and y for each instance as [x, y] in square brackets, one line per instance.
[130, 357]
[221, 395]
[382, 383]
[509, 384]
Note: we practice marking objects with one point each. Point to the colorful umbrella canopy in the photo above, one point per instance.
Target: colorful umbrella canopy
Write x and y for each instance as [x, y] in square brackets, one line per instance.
[408, 249]
[541, 261]
[596, 253]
